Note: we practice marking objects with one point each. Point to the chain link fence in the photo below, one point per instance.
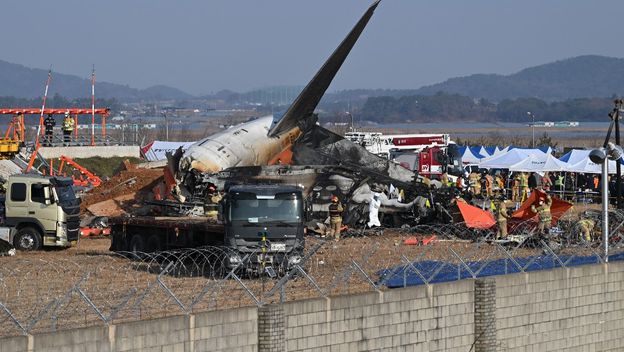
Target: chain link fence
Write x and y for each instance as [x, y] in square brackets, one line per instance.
[39, 295]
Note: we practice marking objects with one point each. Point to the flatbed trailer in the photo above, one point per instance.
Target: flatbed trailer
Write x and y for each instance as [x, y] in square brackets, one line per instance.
[264, 223]
[156, 233]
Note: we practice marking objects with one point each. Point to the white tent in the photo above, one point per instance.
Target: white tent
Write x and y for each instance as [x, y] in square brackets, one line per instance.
[469, 156]
[499, 151]
[536, 164]
[514, 156]
[544, 150]
[484, 152]
[588, 167]
[575, 156]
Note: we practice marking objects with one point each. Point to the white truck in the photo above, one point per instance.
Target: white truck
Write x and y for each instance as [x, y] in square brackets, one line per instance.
[39, 211]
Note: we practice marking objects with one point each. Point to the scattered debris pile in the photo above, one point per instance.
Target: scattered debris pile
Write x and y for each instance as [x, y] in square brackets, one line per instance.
[122, 193]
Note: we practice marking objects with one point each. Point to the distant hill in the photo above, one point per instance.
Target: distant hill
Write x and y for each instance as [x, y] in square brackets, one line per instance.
[579, 77]
[23, 82]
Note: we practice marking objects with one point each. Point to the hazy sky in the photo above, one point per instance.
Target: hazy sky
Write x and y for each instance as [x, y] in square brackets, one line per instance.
[201, 46]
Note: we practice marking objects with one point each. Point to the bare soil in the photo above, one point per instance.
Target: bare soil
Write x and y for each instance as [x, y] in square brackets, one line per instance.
[137, 182]
[45, 286]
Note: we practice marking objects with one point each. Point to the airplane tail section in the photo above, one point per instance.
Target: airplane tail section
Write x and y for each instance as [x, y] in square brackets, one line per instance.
[309, 98]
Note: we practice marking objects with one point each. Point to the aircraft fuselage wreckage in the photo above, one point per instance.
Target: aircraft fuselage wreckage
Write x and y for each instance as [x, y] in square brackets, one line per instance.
[293, 149]
[258, 141]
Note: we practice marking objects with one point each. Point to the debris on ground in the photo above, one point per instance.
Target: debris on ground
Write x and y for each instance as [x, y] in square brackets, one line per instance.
[122, 192]
[6, 249]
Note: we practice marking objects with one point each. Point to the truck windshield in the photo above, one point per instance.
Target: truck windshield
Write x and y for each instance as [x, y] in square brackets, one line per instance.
[455, 160]
[284, 207]
[65, 193]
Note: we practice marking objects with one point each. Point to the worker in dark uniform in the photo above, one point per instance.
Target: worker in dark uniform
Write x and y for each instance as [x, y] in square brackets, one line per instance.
[49, 124]
[335, 218]
[68, 128]
[543, 212]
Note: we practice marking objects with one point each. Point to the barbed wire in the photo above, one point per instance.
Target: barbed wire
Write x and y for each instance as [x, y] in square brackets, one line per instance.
[38, 295]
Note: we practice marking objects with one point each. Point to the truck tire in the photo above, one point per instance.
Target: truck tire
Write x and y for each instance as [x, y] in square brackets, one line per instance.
[137, 244]
[27, 239]
[153, 244]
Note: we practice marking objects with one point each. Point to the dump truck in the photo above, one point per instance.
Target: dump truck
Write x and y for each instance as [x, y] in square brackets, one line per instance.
[39, 211]
[265, 222]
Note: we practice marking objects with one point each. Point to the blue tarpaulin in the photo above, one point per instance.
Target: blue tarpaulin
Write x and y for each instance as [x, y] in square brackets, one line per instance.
[438, 271]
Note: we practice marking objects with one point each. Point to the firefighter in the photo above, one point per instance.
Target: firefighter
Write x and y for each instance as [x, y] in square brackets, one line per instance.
[68, 128]
[515, 188]
[499, 183]
[585, 229]
[546, 182]
[444, 179]
[543, 212]
[559, 183]
[500, 211]
[473, 183]
[212, 204]
[460, 184]
[49, 124]
[524, 186]
[335, 218]
[489, 184]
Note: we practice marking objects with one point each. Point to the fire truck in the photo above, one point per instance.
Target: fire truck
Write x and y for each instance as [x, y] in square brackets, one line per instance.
[428, 154]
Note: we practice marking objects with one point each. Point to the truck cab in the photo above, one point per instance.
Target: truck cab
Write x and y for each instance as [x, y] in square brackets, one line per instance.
[40, 211]
[431, 161]
[266, 220]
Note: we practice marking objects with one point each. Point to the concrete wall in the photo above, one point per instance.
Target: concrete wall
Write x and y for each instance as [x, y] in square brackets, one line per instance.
[434, 318]
[575, 309]
[578, 309]
[232, 330]
[87, 152]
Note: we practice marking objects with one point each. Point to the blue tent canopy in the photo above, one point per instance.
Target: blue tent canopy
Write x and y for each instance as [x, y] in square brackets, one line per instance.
[470, 154]
[490, 150]
[476, 152]
[546, 149]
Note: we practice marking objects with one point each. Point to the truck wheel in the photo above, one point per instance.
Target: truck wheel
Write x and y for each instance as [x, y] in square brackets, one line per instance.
[137, 244]
[27, 239]
[153, 244]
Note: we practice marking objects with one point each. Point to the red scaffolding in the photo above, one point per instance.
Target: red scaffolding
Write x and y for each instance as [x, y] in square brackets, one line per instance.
[74, 112]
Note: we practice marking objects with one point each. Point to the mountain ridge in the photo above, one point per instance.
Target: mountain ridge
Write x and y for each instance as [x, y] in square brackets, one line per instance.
[585, 76]
[24, 82]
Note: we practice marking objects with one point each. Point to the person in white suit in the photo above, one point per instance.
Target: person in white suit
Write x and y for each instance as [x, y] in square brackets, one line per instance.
[373, 211]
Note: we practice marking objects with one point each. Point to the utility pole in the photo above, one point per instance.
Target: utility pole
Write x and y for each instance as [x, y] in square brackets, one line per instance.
[166, 127]
[615, 116]
[532, 127]
[352, 126]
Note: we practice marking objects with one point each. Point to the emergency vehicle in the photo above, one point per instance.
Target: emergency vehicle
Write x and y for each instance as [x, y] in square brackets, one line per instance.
[428, 154]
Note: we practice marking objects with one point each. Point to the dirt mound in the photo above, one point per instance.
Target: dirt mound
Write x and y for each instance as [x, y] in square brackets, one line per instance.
[119, 188]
